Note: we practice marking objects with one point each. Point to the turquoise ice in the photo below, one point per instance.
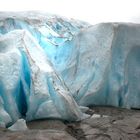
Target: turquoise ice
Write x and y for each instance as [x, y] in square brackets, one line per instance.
[53, 67]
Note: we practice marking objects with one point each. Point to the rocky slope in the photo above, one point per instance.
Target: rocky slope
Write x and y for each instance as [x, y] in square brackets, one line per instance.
[105, 123]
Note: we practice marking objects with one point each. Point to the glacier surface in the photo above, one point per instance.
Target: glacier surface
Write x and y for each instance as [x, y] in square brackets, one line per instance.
[53, 67]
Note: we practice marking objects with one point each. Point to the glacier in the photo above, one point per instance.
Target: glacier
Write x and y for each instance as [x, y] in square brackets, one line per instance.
[53, 67]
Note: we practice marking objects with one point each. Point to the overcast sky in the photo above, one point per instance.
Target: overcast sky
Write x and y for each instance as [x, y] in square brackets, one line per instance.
[92, 11]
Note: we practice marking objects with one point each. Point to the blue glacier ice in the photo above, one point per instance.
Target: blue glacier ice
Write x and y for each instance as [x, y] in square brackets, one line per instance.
[29, 85]
[104, 68]
[53, 67]
[19, 125]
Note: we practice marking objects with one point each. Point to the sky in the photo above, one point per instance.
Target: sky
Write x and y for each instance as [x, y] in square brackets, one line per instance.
[92, 11]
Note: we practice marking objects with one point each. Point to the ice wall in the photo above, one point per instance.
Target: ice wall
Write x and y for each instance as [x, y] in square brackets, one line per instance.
[50, 67]
[104, 68]
[30, 87]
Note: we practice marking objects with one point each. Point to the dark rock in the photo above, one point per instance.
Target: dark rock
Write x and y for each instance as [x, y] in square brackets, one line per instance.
[47, 124]
[36, 135]
[108, 123]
